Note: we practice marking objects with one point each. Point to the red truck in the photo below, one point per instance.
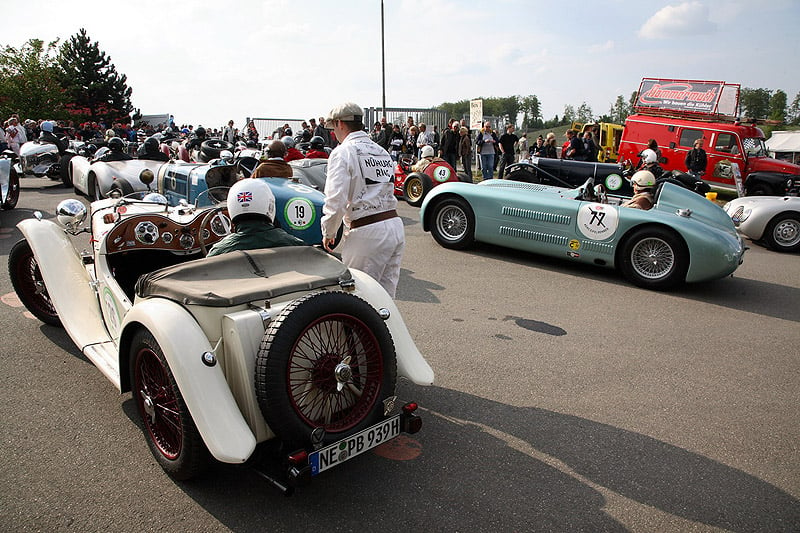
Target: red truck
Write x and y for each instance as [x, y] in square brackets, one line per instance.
[677, 112]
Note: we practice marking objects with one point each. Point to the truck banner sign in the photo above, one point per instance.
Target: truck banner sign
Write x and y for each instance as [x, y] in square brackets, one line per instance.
[689, 96]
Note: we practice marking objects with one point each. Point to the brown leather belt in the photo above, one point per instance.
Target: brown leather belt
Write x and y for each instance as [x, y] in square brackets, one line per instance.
[371, 219]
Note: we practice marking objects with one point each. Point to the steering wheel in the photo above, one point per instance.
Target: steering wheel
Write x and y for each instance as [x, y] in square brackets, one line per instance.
[405, 161]
[216, 222]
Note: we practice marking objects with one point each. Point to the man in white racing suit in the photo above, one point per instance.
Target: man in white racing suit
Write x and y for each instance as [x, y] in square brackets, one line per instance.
[359, 189]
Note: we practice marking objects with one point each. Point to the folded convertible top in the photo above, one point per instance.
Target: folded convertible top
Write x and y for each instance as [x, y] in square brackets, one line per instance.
[242, 276]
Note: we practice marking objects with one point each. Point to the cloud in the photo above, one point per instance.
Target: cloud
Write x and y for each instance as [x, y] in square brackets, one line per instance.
[688, 18]
[604, 47]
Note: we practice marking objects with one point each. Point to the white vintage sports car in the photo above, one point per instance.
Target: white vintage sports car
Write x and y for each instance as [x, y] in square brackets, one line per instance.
[774, 220]
[283, 346]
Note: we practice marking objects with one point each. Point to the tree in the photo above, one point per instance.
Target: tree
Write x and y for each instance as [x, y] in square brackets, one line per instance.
[755, 102]
[777, 106]
[96, 91]
[455, 109]
[585, 114]
[619, 110]
[569, 114]
[532, 114]
[793, 113]
[29, 81]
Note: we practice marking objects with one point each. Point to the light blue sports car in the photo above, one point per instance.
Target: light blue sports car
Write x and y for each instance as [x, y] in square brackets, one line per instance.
[683, 238]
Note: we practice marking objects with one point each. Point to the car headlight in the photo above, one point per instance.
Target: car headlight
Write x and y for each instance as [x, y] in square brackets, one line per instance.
[740, 215]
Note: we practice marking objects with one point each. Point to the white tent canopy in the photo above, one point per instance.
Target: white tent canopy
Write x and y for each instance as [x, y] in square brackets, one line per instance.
[785, 145]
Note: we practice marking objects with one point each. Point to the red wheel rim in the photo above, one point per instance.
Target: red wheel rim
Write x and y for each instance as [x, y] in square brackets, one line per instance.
[312, 379]
[32, 285]
[158, 404]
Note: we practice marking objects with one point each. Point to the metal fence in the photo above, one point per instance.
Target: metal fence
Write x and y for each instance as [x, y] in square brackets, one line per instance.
[399, 115]
[266, 127]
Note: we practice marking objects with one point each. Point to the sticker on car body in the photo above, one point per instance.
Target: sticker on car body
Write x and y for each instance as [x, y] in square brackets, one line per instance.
[598, 221]
[299, 213]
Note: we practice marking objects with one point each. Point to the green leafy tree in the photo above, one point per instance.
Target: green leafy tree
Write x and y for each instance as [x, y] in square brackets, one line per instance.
[531, 109]
[793, 113]
[755, 102]
[29, 78]
[569, 113]
[455, 109]
[585, 113]
[777, 106]
[96, 90]
[619, 111]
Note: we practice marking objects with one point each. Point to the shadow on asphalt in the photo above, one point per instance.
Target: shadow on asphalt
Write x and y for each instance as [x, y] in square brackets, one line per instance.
[490, 466]
[775, 300]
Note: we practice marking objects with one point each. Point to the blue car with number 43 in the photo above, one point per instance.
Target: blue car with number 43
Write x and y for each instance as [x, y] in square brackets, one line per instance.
[298, 207]
[683, 238]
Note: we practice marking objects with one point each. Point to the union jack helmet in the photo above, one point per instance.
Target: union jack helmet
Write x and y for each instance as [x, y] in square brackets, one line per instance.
[253, 197]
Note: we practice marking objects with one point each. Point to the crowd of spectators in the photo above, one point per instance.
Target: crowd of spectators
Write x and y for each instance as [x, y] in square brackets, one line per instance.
[457, 145]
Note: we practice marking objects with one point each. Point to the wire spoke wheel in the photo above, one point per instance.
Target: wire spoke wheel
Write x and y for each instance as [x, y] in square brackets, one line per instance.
[453, 223]
[652, 258]
[327, 361]
[26, 277]
[325, 393]
[171, 433]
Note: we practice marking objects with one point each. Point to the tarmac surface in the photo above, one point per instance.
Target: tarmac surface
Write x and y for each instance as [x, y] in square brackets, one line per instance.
[566, 399]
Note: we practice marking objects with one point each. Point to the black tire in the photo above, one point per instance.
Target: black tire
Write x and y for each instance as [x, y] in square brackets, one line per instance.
[453, 223]
[783, 233]
[213, 147]
[415, 188]
[167, 425]
[302, 363]
[65, 170]
[27, 281]
[12, 197]
[654, 258]
[525, 176]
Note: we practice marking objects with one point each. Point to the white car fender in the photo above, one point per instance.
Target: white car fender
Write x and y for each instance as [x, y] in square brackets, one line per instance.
[205, 391]
[80, 171]
[67, 280]
[410, 362]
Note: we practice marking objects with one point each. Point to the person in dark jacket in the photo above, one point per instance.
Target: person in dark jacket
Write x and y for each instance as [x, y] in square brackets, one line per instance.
[449, 148]
[251, 206]
[696, 160]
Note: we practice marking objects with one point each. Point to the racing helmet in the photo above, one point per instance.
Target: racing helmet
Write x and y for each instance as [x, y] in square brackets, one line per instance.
[644, 179]
[115, 144]
[47, 126]
[251, 198]
[317, 143]
[649, 156]
[150, 145]
[288, 141]
[427, 151]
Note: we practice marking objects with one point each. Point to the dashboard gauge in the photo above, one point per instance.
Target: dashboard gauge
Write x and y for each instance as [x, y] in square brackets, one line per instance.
[186, 241]
[146, 232]
[167, 238]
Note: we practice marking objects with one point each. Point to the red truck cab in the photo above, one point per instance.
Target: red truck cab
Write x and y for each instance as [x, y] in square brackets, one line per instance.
[731, 147]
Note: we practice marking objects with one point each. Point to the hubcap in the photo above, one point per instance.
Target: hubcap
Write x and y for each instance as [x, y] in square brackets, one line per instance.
[787, 232]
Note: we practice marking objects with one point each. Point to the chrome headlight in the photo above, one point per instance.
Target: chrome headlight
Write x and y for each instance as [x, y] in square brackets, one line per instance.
[71, 213]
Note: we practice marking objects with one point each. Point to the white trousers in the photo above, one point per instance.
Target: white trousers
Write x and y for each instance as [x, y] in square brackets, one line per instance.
[377, 249]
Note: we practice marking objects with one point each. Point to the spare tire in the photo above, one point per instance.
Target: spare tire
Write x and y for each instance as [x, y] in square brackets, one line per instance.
[327, 361]
[212, 148]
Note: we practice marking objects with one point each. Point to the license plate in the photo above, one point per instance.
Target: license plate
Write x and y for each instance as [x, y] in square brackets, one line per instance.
[345, 449]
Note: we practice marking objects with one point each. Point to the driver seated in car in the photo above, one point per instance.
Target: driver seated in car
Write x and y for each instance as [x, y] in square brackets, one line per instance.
[316, 148]
[275, 166]
[151, 151]
[649, 162]
[196, 141]
[427, 156]
[251, 206]
[48, 137]
[643, 188]
[116, 151]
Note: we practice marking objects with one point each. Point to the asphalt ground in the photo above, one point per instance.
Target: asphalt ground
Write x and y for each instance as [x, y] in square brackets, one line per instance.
[566, 399]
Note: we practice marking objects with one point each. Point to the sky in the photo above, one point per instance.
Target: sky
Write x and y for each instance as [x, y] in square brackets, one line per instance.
[208, 62]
